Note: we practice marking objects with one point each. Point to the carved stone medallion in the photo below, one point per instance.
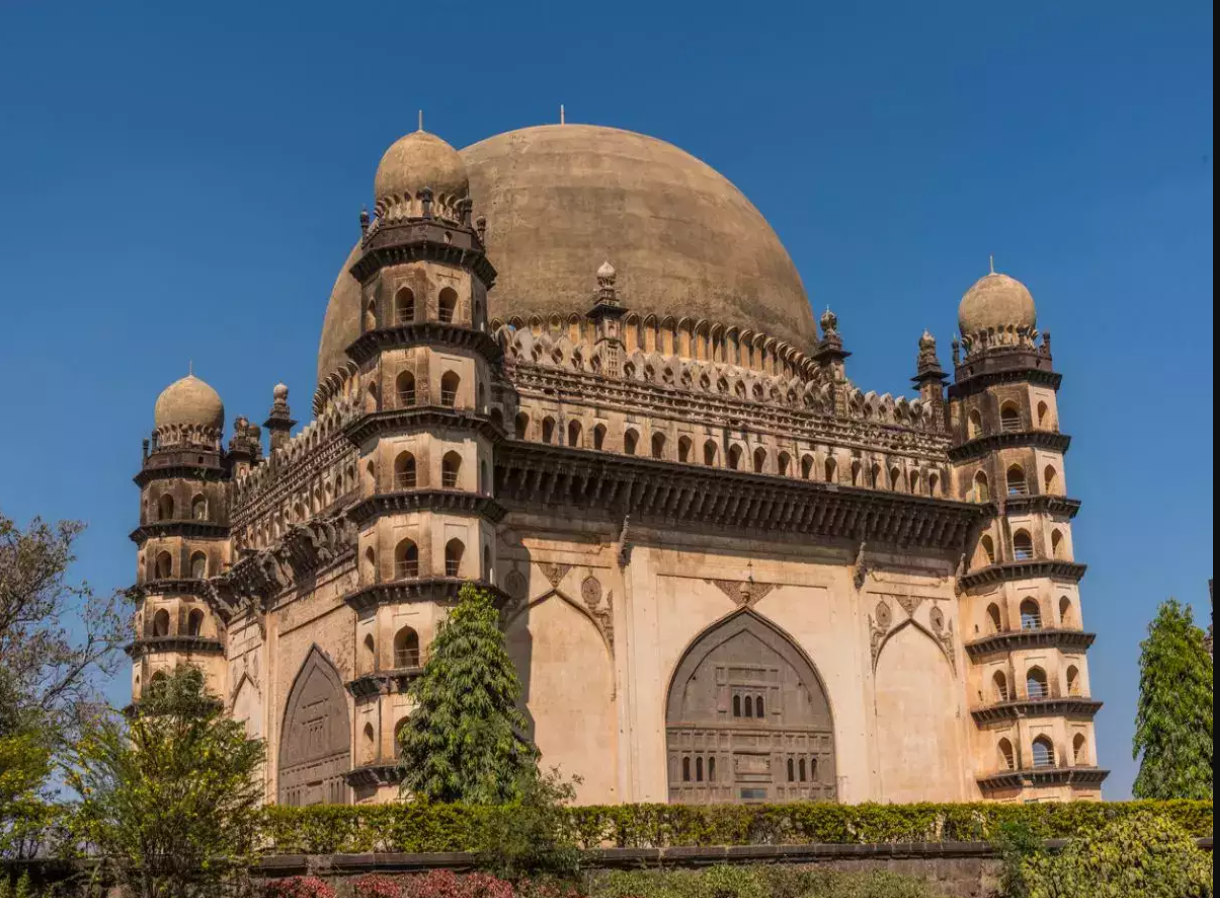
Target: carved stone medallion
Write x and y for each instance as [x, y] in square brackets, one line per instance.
[516, 585]
[937, 619]
[885, 616]
[591, 591]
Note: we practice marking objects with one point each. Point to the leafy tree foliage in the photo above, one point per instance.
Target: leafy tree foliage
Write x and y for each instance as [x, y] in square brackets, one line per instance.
[169, 795]
[464, 739]
[1173, 736]
[1142, 856]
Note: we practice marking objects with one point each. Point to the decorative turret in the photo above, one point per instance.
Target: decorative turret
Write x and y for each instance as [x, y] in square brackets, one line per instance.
[607, 316]
[1019, 580]
[279, 421]
[929, 376]
[830, 351]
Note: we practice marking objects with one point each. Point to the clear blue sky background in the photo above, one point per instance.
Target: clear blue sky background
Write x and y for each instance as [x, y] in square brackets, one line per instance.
[183, 183]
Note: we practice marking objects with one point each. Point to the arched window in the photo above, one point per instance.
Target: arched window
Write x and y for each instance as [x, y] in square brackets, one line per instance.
[1073, 680]
[709, 453]
[404, 306]
[630, 439]
[165, 508]
[760, 460]
[988, 547]
[451, 468]
[454, 550]
[759, 708]
[1022, 546]
[599, 437]
[896, 479]
[574, 434]
[1010, 418]
[368, 749]
[521, 425]
[933, 485]
[831, 470]
[370, 652]
[1050, 481]
[803, 771]
[1058, 545]
[686, 770]
[548, 429]
[1080, 751]
[194, 623]
[165, 566]
[1065, 612]
[699, 770]
[982, 493]
[161, 623]
[1044, 416]
[370, 566]
[1016, 481]
[404, 387]
[406, 648]
[199, 566]
[994, 619]
[450, 383]
[404, 471]
[783, 463]
[1008, 757]
[1036, 685]
[684, 449]
[1031, 615]
[737, 706]
[974, 425]
[1044, 753]
[446, 305]
[406, 560]
[806, 467]
[734, 458]
[914, 479]
[749, 705]
[658, 445]
[370, 404]
[711, 770]
[877, 477]
[1000, 683]
[791, 770]
[199, 508]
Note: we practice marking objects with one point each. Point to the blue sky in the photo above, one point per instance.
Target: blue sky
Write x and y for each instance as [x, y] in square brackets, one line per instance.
[183, 183]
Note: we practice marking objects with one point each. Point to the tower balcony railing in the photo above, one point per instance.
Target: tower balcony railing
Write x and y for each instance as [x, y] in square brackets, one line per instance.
[406, 398]
[405, 480]
[406, 570]
[449, 398]
[408, 658]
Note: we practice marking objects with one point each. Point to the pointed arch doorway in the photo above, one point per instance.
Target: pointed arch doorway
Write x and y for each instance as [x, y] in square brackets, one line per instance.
[315, 743]
[748, 719]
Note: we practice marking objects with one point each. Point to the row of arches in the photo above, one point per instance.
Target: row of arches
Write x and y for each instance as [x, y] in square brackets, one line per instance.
[407, 561]
[406, 651]
[1022, 547]
[1042, 753]
[1037, 685]
[369, 750]
[162, 624]
[407, 396]
[406, 472]
[1016, 483]
[1031, 616]
[164, 567]
[306, 504]
[167, 508]
[406, 309]
[1011, 420]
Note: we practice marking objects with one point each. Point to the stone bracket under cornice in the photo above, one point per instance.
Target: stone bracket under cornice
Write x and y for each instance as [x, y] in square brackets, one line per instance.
[383, 682]
[393, 420]
[1042, 504]
[1045, 776]
[1002, 643]
[388, 774]
[155, 645]
[968, 380]
[151, 473]
[1051, 440]
[442, 590]
[189, 528]
[423, 333]
[613, 486]
[415, 241]
[1010, 571]
[1073, 707]
[408, 501]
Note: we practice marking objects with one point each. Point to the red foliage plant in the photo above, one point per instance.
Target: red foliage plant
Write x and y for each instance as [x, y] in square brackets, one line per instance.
[446, 884]
[376, 886]
[298, 887]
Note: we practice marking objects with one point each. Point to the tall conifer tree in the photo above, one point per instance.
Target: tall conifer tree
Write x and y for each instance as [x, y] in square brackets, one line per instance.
[1173, 735]
[464, 740]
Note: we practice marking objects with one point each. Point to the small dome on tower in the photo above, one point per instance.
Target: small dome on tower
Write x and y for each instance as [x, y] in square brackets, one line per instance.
[412, 163]
[996, 303]
[189, 402]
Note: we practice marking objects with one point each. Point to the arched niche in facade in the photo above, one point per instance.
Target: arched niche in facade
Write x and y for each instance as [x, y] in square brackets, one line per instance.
[745, 757]
[315, 742]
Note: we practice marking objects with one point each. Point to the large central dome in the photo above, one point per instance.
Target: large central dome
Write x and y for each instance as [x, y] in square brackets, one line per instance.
[562, 199]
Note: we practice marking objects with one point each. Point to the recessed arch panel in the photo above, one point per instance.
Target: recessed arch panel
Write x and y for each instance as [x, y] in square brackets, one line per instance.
[746, 664]
[315, 743]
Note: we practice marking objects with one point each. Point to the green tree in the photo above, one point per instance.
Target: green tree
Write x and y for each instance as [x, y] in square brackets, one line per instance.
[1139, 856]
[464, 739]
[170, 795]
[1173, 727]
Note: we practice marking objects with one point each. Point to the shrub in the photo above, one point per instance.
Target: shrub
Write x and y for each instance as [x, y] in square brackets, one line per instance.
[20, 888]
[298, 887]
[757, 882]
[376, 886]
[447, 884]
[532, 834]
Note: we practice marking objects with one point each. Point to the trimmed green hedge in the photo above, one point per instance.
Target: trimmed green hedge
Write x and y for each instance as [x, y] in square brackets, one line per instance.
[418, 827]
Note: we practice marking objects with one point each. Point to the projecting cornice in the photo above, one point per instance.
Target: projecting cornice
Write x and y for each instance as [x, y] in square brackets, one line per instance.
[383, 681]
[408, 501]
[1073, 707]
[423, 333]
[396, 243]
[1045, 776]
[1000, 643]
[190, 529]
[1050, 440]
[612, 486]
[1058, 506]
[187, 645]
[1010, 571]
[388, 774]
[419, 418]
[442, 590]
[151, 473]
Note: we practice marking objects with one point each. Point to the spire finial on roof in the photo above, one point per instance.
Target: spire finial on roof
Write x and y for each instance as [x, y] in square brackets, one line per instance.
[190, 367]
[421, 120]
[991, 262]
[561, 114]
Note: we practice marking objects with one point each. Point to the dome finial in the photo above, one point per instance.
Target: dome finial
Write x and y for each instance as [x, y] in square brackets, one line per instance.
[561, 115]
[991, 262]
[421, 121]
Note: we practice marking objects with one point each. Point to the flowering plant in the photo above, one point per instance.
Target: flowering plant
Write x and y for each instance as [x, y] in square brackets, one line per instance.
[298, 887]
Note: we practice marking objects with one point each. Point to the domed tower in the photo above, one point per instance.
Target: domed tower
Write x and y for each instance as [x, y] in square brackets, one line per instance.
[182, 537]
[426, 513]
[1029, 682]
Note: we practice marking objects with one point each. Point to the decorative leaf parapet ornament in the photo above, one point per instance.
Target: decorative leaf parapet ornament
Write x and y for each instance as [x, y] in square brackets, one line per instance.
[743, 593]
